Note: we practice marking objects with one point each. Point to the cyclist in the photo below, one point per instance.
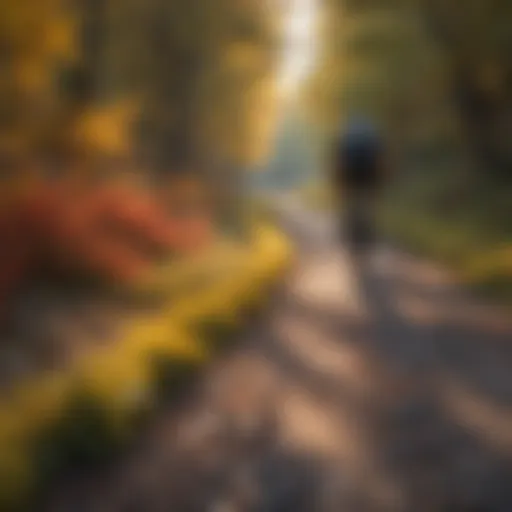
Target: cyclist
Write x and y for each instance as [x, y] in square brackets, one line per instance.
[359, 171]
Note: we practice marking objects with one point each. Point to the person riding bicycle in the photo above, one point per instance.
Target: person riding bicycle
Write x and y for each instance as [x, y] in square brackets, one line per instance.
[359, 173]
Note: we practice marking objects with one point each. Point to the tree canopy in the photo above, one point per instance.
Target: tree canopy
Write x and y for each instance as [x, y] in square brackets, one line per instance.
[441, 64]
[150, 78]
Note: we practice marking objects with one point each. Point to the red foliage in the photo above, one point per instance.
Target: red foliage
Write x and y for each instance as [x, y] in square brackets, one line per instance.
[106, 231]
[134, 214]
[109, 258]
[16, 254]
[192, 234]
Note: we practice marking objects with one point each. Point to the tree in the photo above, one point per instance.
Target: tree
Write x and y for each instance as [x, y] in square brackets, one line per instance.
[36, 38]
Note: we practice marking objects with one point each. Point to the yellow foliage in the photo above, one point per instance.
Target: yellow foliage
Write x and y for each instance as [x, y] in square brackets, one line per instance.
[244, 56]
[37, 36]
[156, 334]
[106, 131]
[497, 262]
[251, 108]
[120, 375]
[117, 380]
[214, 304]
[263, 121]
[178, 276]
[60, 38]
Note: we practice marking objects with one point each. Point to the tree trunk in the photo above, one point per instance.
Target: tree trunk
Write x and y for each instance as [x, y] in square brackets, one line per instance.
[232, 198]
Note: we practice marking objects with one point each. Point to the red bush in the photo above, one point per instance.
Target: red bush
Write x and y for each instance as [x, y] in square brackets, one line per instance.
[191, 234]
[106, 231]
[16, 254]
[133, 214]
[110, 258]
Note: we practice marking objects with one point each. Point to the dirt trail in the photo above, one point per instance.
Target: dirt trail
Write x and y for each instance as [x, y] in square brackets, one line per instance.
[382, 389]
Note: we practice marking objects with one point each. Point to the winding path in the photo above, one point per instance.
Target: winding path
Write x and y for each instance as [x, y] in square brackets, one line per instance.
[364, 390]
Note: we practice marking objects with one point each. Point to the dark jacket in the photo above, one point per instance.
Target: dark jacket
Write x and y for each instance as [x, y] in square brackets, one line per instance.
[358, 160]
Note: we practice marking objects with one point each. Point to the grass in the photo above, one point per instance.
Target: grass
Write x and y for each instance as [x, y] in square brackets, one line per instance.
[473, 239]
[470, 237]
[82, 416]
[439, 209]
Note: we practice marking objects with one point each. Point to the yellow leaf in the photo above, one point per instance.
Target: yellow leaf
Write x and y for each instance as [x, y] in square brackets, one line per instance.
[108, 130]
[60, 38]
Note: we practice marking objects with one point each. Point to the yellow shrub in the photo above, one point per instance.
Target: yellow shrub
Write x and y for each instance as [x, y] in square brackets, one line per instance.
[40, 402]
[120, 375]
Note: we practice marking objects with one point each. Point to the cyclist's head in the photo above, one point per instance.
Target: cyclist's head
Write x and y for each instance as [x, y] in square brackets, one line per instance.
[360, 125]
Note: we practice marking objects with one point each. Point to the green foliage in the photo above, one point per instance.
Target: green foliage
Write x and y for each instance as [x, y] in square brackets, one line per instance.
[434, 72]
